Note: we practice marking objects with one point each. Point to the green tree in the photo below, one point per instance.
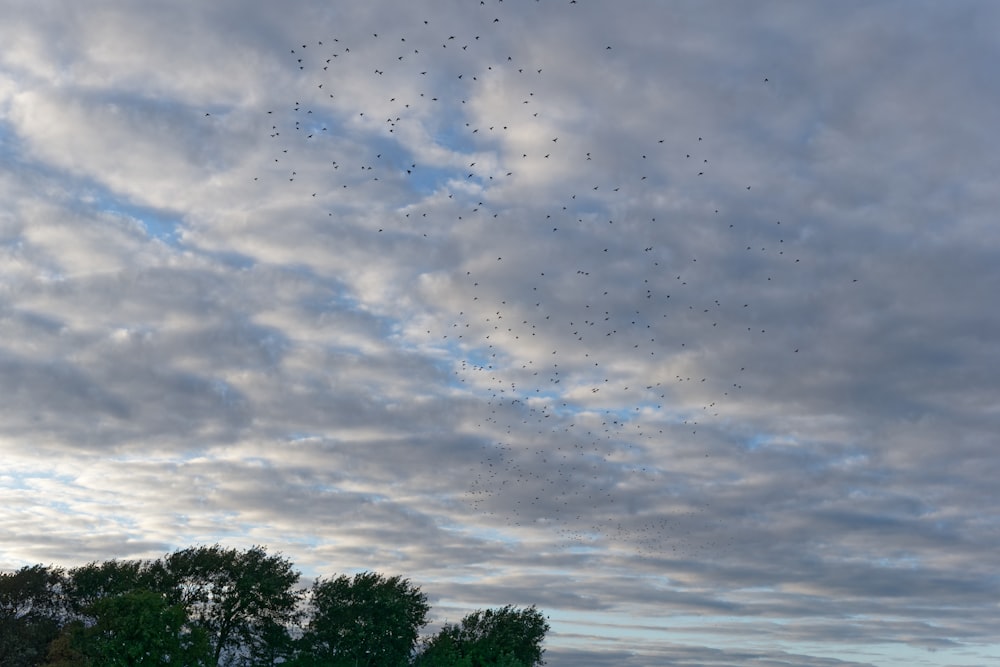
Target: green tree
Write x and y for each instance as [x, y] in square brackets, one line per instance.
[140, 628]
[507, 637]
[369, 620]
[246, 601]
[64, 650]
[90, 583]
[31, 611]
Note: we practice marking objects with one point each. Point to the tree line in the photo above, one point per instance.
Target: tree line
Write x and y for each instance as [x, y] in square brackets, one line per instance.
[211, 606]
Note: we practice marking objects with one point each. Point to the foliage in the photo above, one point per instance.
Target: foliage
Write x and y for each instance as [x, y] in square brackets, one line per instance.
[138, 628]
[30, 614]
[244, 600]
[507, 636]
[88, 584]
[217, 607]
[369, 620]
[64, 650]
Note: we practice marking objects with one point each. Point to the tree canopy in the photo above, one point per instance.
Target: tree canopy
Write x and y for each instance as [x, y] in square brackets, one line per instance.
[139, 628]
[368, 620]
[210, 606]
[507, 637]
[30, 606]
[244, 600]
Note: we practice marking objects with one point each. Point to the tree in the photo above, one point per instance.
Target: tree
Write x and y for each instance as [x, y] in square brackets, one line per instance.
[506, 637]
[134, 629]
[31, 612]
[64, 650]
[369, 620]
[216, 607]
[90, 583]
[244, 600]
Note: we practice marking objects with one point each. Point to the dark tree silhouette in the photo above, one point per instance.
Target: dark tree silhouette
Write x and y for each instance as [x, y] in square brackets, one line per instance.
[30, 614]
[245, 601]
[132, 629]
[369, 620]
[507, 637]
[218, 607]
[90, 583]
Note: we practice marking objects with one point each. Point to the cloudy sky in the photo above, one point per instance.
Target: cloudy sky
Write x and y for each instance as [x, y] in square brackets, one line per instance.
[675, 319]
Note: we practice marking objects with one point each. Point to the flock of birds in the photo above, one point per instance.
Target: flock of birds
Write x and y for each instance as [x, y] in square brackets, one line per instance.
[587, 308]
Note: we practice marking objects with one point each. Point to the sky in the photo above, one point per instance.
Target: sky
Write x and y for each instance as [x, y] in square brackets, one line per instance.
[675, 319]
